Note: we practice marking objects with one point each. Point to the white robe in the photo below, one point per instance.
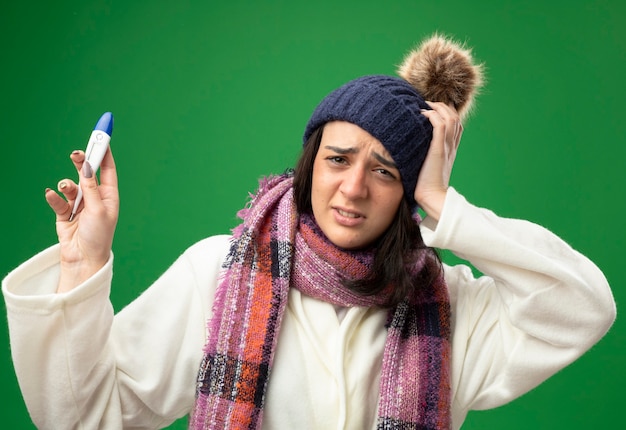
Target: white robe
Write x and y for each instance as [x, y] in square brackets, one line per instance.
[539, 306]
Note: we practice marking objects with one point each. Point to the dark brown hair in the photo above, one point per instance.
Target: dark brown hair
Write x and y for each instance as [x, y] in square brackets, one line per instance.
[399, 246]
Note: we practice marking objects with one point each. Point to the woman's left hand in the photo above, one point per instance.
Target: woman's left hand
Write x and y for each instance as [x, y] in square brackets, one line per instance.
[433, 181]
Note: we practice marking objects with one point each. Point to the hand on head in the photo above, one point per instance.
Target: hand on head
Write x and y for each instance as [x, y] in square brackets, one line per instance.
[434, 177]
[86, 240]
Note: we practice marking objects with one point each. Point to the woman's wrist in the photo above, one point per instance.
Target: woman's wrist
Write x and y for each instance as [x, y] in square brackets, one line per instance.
[432, 203]
[74, 274]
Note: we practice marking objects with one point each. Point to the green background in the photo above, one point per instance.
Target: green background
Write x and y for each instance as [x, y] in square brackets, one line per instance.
[209, 96]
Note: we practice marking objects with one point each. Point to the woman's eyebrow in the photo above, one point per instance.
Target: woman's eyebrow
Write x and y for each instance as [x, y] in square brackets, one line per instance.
[339, 150]
[352, 150]
[387, 162]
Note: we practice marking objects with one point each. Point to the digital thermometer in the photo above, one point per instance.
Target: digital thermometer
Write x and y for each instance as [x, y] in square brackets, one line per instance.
[96, 148]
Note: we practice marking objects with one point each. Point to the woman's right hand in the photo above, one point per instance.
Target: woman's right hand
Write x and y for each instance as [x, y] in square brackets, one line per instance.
[434, 178]
[85, 241]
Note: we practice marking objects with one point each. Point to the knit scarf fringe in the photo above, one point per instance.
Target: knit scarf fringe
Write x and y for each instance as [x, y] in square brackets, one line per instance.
[275, 249]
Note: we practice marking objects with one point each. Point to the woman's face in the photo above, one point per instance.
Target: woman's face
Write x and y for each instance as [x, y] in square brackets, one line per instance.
[356, 188]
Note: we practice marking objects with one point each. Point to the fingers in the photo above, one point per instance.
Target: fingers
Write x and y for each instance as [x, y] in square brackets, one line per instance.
[89, 186]
[447, 112]
[69, 189]
[445, 119]
[60, 206]
[108, 171]
[434, 178]
[78, 157]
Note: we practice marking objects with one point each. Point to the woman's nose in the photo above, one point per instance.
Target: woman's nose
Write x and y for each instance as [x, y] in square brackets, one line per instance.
[354, 184]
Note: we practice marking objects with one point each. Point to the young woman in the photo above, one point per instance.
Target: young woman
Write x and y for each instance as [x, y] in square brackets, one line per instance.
[328, 306]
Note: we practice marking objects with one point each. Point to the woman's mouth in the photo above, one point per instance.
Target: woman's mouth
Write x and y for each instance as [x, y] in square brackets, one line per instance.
[348, 214]
[348, 218]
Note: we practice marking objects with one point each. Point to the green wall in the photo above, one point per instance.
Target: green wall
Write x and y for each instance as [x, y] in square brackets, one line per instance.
[209, 96]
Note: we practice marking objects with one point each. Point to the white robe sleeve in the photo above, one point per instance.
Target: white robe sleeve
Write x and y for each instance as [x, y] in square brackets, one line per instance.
[79, 367]
[539, 306]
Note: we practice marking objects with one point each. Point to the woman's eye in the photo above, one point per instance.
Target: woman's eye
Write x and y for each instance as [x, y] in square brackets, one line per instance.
[337, 159]
[386, 173]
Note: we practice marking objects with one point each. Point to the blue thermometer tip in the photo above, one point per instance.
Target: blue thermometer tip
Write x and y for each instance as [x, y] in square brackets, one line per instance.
[105, 123]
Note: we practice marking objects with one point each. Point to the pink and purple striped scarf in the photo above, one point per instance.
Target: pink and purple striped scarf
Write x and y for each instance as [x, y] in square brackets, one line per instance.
[274, 249]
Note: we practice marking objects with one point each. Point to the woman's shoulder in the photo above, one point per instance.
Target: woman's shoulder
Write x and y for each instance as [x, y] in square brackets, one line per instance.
[211, 246]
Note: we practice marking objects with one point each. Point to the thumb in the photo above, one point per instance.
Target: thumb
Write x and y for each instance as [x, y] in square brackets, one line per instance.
[88, 183]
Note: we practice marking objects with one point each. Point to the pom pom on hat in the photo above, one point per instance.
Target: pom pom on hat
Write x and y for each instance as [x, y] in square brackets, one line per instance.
[444, 71]
[389, 108]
